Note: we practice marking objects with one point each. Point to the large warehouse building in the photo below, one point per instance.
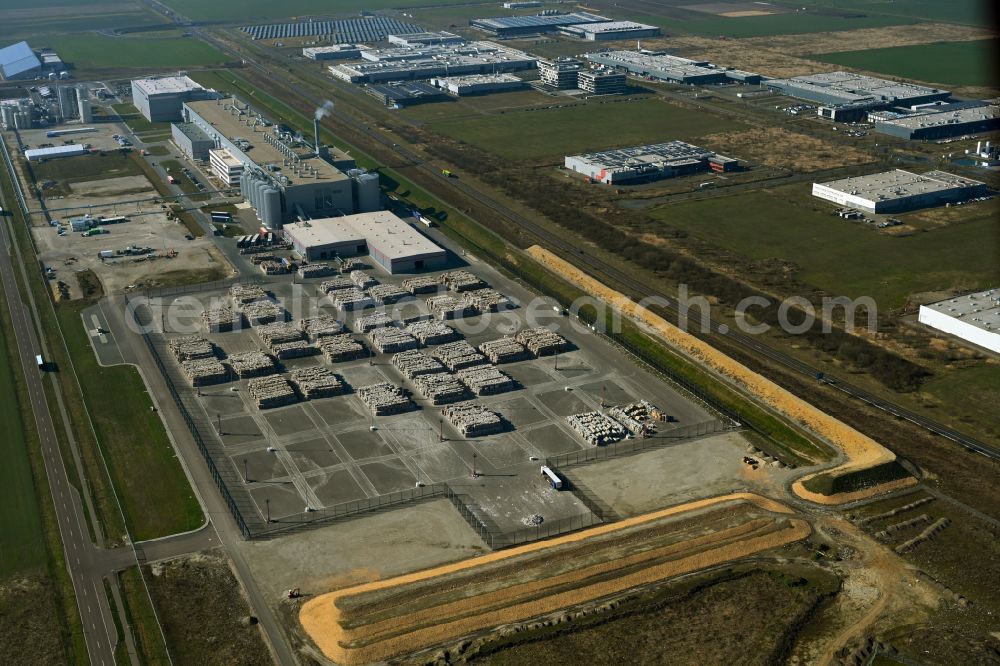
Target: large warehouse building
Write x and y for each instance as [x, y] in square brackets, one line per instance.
[974, 318]
[898, 191]
[160, 100]
[941, 122]
[671, 68]
[478, 84]
[425, 62]
[846, 96]
[652, 162]
[283, 178]
[608, 30]
[391, 242]
[18, 61]
[519, 26]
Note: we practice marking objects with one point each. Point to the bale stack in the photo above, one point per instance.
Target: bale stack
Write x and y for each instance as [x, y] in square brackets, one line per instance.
[385, 399]
[246, 293]
[317, 382]
[340, 348]
[421, 285]
[504, 350]
[369, 323]
[461, 280]
[221, 319]
[596, 428]
[445, 306]
[273, 391]
[412, 363]
[278, 332]
[204, 371]
[487, 300]
[432, 332]
[258, 259]
[459, 355]
[335, 284]
[191, 348]
[316, 271]
[486, 380]
[350, 299]
[273, 268]
[633, 416]
[259, 313]
[252, 364]
[321, 326]
[293, 349]
[473, 420]
[362, 280]
[352, 264]
[391, 340]
[387, 294]
[441, 389]
[542, 341]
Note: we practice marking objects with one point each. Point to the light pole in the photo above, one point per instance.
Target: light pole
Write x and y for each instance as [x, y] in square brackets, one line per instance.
[267, 503]
[245, 476]
[475, 474]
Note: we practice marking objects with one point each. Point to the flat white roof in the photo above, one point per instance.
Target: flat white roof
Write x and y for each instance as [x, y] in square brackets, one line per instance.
[167, 85]
[384, 232]
[980, 309]
[55, 151]
[897, 184]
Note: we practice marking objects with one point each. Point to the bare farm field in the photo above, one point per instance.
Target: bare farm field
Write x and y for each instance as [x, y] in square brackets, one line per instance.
[777, 147]
[898, 35]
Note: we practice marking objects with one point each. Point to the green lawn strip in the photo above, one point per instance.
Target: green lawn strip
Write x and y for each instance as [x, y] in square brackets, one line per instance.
[142, 618]
[136, 121]
[121, 647]
[831, 483]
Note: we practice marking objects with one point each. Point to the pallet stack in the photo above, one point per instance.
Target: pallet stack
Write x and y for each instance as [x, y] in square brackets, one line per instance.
[321, 326]
[246, 293]
[252, 364]
[385, 399]
[204, 371]
[487, 300]
[259, 313]
[335, 284]
[441, 389]
[340, 348]
[596, 428]
[315, 271]
[504, 350]
[191, 348]
[486, 380]
[369, 323]
[387, 294]
[391, 340]
[432, 332]
[461, 280]
[474, 420]
[363, 280]
[542, 341]
[273, 391]
[412, 363]
[421, 285]
[221, 319]
[350, 299]
[445, 306]
[317, 382]
[459, 355]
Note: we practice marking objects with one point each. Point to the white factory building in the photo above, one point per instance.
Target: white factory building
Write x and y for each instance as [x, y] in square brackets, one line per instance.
[161, 99]
[974, 318]
[649, 162]
[390, 241]
[898, 191]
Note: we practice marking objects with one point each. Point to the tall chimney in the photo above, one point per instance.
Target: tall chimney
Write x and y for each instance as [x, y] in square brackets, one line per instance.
[316, 131]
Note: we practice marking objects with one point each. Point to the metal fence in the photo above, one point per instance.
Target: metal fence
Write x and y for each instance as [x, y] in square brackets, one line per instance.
[158, 292]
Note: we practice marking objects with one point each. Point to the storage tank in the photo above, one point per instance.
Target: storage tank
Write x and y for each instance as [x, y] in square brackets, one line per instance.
[272, 208]
[367, 195]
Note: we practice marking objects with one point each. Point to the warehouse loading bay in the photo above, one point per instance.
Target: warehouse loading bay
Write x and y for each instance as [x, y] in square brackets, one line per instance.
[290, 464]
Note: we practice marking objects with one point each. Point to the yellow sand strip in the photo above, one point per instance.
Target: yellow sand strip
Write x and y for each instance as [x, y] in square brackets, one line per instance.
[862, 451]
[320, 616]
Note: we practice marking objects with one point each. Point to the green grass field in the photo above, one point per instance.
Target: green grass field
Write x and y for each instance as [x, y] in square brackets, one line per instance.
[257, 10]
[136, 121]
[557, 132]
[843, 257]
[951, 63]
[88, 52]
[973, 12]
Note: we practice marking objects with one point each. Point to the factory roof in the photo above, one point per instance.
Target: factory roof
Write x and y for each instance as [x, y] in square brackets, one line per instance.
[605, 27]
[225, 157]
[384, 231]
[55, 151]
[657, 154]
[538, 21]
[850, 87]
[430, 60]
[17, 59]
[407, 91]
[311, 51]
[947, 114]
[192, 131]
[436, 37]
[167, 85]
[898, 183]
[672, 67]
[980, 309]
[473, 79]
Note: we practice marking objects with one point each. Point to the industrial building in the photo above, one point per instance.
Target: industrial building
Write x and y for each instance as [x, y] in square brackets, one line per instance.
[651, 162]
[160, 100]
[334, 52]
[654, 65]
[426, 38]
[478, 84]
[899, 191]
[608, 30]
[391, 242]
[525, 4]
[191, 140]
[69, 150]
[560, 73]
[283, 176]
[402, 64]
[404, 94]
[601, 82]
[974, 318]
[520, 26]
[18, 61]
[847, 97]
[946, 120]
[225, 166]
[364, 29]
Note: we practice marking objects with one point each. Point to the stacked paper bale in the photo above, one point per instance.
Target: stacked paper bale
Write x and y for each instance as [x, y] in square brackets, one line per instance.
[421, 285]
[412, 363]
[317, 382]
[350, 299]
[321, 326]
[445, 306]
[204, 371]
[294, 349]
[432, 332]
[385, 399]
[340, 348]
[487, 300]
[596, 428]
[191, 348]
[260, 258]
[634, 416]
[461, 280]
[387, 294]
[474, 420]
[259, 313]
[441, 388]
[243, 293]
[273, 391]
[486, 380]
[391, 340]
[273, 267]
[542, 341]
[504, 350]
[335, 283]
[459, 355]
[278, 332]
[316, 271]
[369, 323]
[252, 364]
[362, 280]
[352, 264]
[221, 319]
